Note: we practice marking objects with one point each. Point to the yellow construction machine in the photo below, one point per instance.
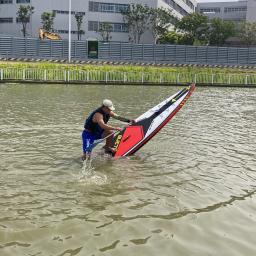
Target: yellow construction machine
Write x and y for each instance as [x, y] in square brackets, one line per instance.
[43, 34]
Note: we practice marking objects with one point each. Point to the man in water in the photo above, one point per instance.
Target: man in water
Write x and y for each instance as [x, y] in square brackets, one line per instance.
[96, 127]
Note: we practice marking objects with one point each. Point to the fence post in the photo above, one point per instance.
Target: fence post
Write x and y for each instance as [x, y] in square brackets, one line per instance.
[142, 77]
[2, 74]
[161, 78]
[229, 79]
[246, 79]
[106, 77]
[23, 74]
[178, 78]
[212, 78]
[125, 78]
[45, 75]
[68, 77]
[65, 75]
[195, 78]
[87, 76]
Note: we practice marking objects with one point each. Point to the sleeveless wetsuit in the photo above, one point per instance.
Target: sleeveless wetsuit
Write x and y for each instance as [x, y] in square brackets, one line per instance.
[92, 130]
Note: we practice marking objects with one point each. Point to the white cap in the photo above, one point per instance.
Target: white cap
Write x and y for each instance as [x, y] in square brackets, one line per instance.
[108, 103]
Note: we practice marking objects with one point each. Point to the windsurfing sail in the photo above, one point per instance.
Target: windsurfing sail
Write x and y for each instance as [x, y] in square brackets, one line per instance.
[146, 126]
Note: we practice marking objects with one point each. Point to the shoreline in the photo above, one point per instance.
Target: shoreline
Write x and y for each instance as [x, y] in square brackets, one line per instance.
[13, 82]
[60, 73]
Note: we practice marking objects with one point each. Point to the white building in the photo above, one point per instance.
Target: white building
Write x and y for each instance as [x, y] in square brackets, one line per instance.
[251, 9]
[95, 11]
[231, 11]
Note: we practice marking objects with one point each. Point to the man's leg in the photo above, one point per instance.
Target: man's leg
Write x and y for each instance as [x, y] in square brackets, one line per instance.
[88, 139]
[109, 141]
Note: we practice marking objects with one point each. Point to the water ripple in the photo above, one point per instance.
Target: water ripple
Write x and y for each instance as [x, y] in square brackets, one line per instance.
[190, 190]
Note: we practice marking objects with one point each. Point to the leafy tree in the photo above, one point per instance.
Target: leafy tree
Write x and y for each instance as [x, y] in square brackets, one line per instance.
[79, 21]
[48, 20]
[173, 37]
[161, 20]
[105, 30]
[195, 25]
[23, 14]
[137, 18]
[248, 33]
[219, 31]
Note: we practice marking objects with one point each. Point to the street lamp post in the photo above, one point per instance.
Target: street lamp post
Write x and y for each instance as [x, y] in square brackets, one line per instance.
[69, 33]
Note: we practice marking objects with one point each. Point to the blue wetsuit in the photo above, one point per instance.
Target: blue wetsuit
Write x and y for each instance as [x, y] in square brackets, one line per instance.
[92, 131]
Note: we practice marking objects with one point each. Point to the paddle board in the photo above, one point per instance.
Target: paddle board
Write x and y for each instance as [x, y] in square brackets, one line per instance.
[146, 126]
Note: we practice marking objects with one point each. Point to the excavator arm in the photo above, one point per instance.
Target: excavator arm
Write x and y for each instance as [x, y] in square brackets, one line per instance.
[42, 34]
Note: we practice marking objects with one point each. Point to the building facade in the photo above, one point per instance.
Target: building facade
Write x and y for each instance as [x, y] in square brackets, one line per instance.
[230, 11]
[251, 9]
[94, 11]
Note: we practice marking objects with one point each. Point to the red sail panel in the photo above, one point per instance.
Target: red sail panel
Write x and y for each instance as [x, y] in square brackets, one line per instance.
[131, 137]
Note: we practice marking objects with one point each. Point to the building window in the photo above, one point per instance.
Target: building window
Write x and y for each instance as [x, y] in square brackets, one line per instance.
[210, 10]
[63, 31]
[93, 25]
[189, 3]
[18, 20]
[234, 20]
[67, 12]
[235, 9]
[5, 1]
[116, 27]
[107, 7]
[120, 27]
[6, 20]
[176, 7]
[22, 1]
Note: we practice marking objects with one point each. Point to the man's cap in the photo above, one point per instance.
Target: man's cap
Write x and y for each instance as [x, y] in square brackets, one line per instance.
[108, 103]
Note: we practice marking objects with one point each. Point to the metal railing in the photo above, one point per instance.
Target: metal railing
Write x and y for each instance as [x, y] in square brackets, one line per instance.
[82, 76]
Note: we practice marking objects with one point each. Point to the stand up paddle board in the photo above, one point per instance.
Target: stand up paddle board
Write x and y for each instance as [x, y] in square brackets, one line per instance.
[146, 126]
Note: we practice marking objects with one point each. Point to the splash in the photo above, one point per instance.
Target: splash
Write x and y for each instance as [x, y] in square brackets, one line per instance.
[88, 176]
[87, 168]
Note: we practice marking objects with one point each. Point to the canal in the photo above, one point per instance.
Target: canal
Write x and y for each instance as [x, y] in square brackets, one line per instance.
[190, 191]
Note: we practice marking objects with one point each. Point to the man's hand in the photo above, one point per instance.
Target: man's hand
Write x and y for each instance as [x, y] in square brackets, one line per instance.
[132, 122]
[118, 129]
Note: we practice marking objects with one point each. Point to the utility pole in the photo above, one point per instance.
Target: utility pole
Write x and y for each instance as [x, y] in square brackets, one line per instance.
[69, 33]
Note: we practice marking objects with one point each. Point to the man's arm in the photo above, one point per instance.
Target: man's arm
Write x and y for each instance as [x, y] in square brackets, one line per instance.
[122, 119]
[99, 119]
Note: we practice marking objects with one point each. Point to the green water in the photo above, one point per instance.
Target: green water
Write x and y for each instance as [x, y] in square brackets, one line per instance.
[189, 191]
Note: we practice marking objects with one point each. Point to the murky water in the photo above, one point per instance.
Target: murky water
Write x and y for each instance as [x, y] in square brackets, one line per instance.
[189, 191]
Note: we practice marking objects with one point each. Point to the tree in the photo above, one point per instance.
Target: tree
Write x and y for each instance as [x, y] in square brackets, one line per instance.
[248, 33]
[105, 29]
[161, 20]
[48, 20]
[79, 21]
[195, 25]
[219, 31]
[173, 37]
[23, 15]
[137, 18]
